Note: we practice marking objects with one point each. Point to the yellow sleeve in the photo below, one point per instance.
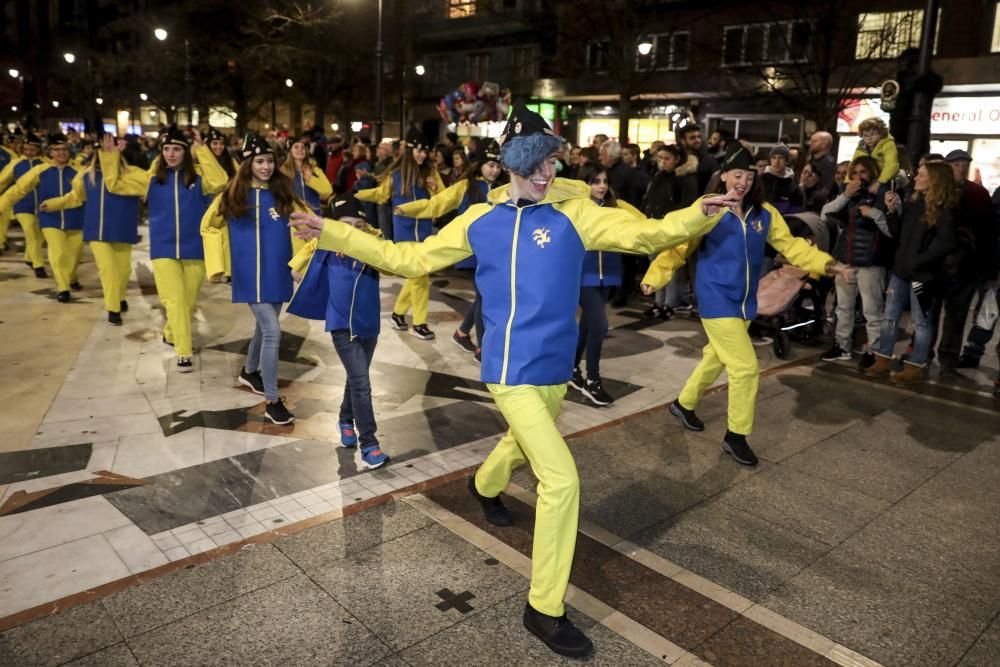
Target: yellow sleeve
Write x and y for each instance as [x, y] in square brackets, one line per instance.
[625, 206]
[23, 186]
[115, 177]
[212, 240]
[444, 201]
[302, 258]
[438, 181]
[890, 162]
[797, 251]
[380, 194]
[618, 230]
[132, 182]
[7, 175]
[661, 270]
[213, 176]
[72, 199]
[407, 259]
[320, 183]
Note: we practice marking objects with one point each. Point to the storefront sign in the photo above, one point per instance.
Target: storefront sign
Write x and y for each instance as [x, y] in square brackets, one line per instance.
[966, 115]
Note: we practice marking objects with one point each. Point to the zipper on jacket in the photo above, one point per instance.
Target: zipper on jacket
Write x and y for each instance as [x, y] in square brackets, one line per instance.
[62, 215]
[746, 254]
[350, 313]
[100, 232]
[600, 265]
[257, 213]
[513, 297]
[177, 215]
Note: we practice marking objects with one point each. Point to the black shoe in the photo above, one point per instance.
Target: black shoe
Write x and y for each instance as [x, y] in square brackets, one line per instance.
[867, 361]
[687, 417]
[666, 313]
[965, 361]
[494, 509]
[252, 380]
[76, 286]
[62, 297]
[558, 633]
[577, 381]
[278, 413]
[229, 280]
[114, 319]
[184, 365]
[39, 272]
[836, 353]
[123, 306]
[399, 322]
[464, 342]
[736, 446]
[167, 342]
[594, 390]
[422, 332]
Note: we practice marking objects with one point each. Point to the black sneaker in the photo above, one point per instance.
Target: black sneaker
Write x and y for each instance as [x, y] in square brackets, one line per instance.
[558, 633]
[184, 365]
[62, 297]
[40, 272]
[836, 353]
[577, 381]
[399, 322]
[686, 308]
[594, 390]
[123, 306]
[494, 509]
[867, 361]
[966, 361]
[76, 286]
[252, 380]
[464, 342]
[422, 332]
[114, 319]
[736, 446]
[278, 413]
[666, 313]
[687, 417]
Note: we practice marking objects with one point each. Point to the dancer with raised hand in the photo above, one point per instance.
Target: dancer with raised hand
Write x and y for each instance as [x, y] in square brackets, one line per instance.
[178, 193]
[530, 245]
[311, 184]
[24, 209]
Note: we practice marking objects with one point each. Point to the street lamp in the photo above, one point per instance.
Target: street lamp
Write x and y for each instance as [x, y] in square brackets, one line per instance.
[14, 109]
[645, 47]
[289, 83]
[13, 73]
[55, 104]
[143, 96]
[69, 57]
[160, 34]
[99, 100]
[419, 69]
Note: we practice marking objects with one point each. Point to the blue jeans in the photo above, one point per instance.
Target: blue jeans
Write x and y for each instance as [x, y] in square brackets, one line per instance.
[474, 315]
[356, 408]
[897, 296]
[263, 352]
[593, 328]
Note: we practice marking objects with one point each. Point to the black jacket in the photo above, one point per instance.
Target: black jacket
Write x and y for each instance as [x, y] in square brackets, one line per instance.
[625, 183]
[859, 240]
[921, 250]
[668, 192]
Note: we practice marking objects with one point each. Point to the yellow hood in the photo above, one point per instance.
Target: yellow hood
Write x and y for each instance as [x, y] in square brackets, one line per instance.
[560, 190]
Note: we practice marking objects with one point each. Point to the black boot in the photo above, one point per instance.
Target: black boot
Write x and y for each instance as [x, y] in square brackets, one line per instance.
[558, 633]
[494, 509]
[736, 446]
[39, 272]
[62, 297]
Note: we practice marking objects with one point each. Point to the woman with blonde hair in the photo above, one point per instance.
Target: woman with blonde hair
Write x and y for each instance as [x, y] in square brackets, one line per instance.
[926, 229]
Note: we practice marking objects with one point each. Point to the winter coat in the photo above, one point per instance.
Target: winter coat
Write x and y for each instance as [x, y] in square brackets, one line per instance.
[921, 250]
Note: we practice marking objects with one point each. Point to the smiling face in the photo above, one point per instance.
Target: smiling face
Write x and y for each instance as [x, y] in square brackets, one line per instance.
[29, 151]
[419, 155]
[860, 173]
[59, 154]
[298, 151]
[218, 147]
[740, 180]
[599, 187]
[173, 155]
[262, 167]
[490, 171]
[536, 186]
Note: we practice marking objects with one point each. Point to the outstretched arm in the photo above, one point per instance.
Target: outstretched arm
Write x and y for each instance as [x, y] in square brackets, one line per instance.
[72, 199]
[661, 270]
[380, 194]
[799, 251]
[442, 202]
[23, 186]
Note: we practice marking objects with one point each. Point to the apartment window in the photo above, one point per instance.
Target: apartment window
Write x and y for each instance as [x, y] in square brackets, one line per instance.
[758, 43]
[524, 63]
[671, 51]
[460, 9]
[597, 55]
[477, 66]
[887, 34]
[439, 70]
[996, 28]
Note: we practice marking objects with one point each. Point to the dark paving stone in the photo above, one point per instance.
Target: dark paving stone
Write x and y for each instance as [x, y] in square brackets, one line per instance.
[57, 639]
[101, 485]
[744, 643]
[474, 642]
[185, 592]
[661, 604]
[289, 350]
[114, 656]
[736, 549]
[624, 342]
[292, 622]
[320, 547]
[808, 505]
[946, 427]
[986, 651]
[889, 617]
[394, 585]
[35, 463]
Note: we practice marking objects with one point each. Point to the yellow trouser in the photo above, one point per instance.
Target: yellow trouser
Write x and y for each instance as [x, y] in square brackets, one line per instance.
[728, 347]
[178, 282]
[5, 217]
[65, 249]
[32, 239]
[227, 261]
[416, 294]
[533, 437]
[114, 265]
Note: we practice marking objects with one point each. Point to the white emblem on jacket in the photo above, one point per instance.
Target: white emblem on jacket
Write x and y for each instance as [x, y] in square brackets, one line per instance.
[273, 212]
[541, 236]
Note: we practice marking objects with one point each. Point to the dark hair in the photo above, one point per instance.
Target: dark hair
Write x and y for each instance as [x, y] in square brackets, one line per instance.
[591, 153]
[682, 132]
[724, 134]
[472, 175]
[226, 162]
[452, 137]
[866, 161]
[589, 172]
[410, 173]
[187, 167]
[234, 202]
[679, 153]
[395, 145]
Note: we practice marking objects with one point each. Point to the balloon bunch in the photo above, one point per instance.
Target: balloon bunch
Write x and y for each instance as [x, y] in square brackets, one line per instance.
[474, 103]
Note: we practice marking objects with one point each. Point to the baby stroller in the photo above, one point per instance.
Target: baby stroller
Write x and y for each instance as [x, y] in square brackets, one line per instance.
[789, 302]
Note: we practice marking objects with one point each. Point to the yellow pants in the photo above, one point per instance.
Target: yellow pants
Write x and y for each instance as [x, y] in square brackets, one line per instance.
[728, 347]
[32, 239]
[226, 258]
[114, 266]
[6, 216]
[533, 437]
[65, 250]
[416, 294]
[178, 282]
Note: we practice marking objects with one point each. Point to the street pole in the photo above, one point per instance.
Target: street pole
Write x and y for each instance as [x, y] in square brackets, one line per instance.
[918, 136]
[187, 82]
[379, 103]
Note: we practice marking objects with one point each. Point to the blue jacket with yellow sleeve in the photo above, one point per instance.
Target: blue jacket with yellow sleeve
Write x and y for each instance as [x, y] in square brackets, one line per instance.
[730, 257]
[404, 228]
[314, 190]
[47, 181]
[22, 201]
[605, 268]
[455, 197]
[108, 215]
[530, 261]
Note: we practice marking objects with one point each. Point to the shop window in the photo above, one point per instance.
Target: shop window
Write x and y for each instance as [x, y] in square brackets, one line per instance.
[597, 55]
[671, 51]
[883, 35]
[460, 9]
[477, 66]
[762, 43]
[995, 48]
[524, 63]
[439, 74]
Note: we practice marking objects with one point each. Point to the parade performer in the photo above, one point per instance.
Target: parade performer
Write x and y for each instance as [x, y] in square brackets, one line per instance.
[178, 194]
[311, 184]
[25, 208]
[530, 245]
[410, 177]
[344, 292]
[255, 207]
[63, 230]
[110, 222]
[729, 264]
[473, 188]
[217, 144]
[8, 154]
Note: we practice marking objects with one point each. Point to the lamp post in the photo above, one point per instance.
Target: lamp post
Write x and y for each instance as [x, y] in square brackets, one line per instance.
[379, 57]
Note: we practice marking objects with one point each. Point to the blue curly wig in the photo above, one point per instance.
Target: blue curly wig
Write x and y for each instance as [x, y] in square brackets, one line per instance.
[523, 155]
